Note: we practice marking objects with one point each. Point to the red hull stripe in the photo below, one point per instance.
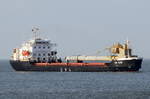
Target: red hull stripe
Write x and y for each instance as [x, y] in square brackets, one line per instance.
[71, 64]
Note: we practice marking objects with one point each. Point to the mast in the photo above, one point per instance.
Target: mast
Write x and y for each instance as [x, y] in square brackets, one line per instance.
[127, 43]
[35, 32]
[128, 49]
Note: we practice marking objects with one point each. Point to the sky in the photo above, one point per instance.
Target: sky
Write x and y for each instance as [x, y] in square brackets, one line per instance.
[79, 27]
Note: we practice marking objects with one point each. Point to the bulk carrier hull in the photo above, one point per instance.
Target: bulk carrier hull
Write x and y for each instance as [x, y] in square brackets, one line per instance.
[119, 65]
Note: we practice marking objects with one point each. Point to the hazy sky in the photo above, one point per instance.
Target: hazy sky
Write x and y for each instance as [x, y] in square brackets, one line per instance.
[77, 26]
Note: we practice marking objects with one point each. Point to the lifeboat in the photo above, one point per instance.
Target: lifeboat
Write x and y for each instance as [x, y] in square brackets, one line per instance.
[25, 53]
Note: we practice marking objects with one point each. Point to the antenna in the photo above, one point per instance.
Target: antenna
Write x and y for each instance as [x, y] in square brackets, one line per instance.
[127, 42]
[35, 30]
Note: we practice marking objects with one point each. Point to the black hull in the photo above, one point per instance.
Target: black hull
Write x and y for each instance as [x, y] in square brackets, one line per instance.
[122, 65]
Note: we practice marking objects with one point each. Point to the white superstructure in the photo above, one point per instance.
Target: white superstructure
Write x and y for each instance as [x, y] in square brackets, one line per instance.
[37, 49]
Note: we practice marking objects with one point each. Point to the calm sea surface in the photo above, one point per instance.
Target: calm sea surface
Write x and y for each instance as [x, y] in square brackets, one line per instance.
[74, 85]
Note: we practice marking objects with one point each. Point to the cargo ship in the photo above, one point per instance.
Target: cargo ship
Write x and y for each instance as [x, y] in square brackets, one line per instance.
[38, 54]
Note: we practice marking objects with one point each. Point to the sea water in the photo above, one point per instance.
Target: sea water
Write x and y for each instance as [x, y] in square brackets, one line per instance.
[74, 85]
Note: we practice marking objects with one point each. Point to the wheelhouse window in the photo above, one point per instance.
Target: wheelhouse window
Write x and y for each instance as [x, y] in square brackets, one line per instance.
[49, 54]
